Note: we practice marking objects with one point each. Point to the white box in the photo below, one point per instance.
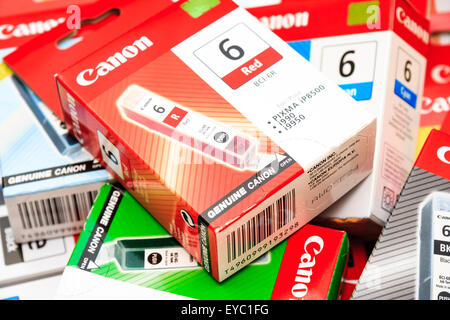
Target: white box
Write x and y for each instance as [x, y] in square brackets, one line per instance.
[369, 51]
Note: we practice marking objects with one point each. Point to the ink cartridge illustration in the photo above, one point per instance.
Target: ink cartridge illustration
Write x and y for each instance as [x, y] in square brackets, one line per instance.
[434, 248]
[152, 253]
[186, 126]
[52, 125]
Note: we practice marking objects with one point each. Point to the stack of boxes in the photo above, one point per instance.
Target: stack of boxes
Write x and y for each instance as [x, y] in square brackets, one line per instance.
[262, 146]
[29, 156]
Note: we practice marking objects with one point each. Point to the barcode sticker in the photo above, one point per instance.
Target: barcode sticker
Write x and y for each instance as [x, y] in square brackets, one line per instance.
[259, 232]
[261, 226]
[46, 215]
[55, 210]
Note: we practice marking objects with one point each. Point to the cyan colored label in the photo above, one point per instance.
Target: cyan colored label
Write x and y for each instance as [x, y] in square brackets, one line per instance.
[405, 94]
[12, 298]
[359, 91]
[302, 47]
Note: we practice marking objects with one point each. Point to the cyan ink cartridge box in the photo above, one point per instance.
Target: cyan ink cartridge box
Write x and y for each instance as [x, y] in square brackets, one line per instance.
[376, 51]
[49, 181]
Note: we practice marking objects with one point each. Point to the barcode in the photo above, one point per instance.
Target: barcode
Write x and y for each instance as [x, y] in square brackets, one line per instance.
[56, 210]
[261, 226]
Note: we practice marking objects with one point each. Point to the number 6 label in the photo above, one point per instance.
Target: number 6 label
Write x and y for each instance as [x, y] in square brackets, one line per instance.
[352, 66]
[237, 55]
[407, 78]
[114, 159]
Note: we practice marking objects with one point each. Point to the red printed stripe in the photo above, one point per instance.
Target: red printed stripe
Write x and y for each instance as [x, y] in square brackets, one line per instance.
[252, 68]
[174, 117]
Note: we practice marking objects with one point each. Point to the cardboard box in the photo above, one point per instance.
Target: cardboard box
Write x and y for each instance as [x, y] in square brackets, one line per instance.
[124, 253]
[376, 52]
[436, 96]
[202, 160]
[32, 260]
[48, 193]
[409, 248]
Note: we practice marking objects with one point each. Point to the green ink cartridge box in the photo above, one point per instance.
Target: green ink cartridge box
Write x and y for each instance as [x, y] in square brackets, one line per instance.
[124, 253]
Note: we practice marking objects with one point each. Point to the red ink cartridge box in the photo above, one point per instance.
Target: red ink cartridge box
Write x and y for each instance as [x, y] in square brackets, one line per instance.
[219, 128]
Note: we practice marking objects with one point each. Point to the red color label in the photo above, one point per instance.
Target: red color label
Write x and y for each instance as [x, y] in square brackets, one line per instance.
[308, 264]
[252, 68]
[174, 117]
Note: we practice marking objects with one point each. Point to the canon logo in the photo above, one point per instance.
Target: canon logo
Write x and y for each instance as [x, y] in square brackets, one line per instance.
[441, 74]
[286, 21]
[436, 105]
[8, 31]
[313, 246]
[412, 26]
[91, 75]
[441, 154]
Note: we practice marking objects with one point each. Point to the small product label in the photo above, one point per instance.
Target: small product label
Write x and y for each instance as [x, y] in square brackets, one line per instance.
[164, 258]
[236, 65]
[407, 79]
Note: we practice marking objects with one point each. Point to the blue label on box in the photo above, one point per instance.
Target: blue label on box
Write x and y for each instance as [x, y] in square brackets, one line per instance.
[405, 94]
[359, 91]
[302, 47]
[12, 298]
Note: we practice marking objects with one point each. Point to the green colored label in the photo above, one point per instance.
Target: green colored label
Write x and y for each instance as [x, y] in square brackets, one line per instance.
[367, 12]
[196, 8]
